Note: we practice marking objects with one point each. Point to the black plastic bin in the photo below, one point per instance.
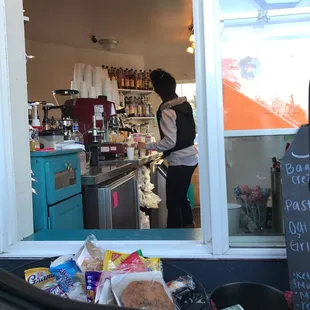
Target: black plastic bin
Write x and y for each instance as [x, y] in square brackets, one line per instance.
[250, 296]
[197, 300]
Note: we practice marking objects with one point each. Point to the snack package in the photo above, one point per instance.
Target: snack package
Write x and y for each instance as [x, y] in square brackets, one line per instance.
[89, 257]
[113, 259]
[181, 286]
[65, 273]
[142, 290]
[133, 263]
[104, 295]
[68, 277]
[152, 264]
[95, 285]
[92, 279]
[51, 286]
[36, 275]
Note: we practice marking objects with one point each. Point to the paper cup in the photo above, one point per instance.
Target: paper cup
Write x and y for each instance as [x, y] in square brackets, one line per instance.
[130, 153]
[142, 153]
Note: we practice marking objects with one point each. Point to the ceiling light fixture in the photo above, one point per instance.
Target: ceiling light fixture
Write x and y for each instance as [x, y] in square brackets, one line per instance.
[191, 48]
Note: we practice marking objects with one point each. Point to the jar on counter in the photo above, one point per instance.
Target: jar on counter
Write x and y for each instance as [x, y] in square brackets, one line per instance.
[34, 138]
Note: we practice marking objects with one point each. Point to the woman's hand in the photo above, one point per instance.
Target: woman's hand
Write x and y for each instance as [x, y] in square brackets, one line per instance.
[141, 146]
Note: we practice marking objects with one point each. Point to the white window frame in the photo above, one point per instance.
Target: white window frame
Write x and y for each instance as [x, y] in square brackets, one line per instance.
[16, 211]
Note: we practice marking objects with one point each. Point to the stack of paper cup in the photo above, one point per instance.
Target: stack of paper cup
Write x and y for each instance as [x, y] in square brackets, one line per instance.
[107, 89]
[78, 74]
[88, 75]
[115, 93]
[105, 74]
[74, 85]
[83, 90]
[92, 92]
[97, 82]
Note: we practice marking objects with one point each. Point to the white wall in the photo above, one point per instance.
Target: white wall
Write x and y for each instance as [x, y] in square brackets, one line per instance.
[52, 67]
[181, 66]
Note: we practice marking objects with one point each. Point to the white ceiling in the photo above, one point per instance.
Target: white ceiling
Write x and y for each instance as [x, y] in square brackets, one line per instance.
[143, 27]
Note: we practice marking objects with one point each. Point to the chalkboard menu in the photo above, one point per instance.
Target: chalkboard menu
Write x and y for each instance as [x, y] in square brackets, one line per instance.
[296, 202]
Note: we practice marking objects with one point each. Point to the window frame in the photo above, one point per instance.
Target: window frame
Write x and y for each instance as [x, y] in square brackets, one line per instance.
[212, 171]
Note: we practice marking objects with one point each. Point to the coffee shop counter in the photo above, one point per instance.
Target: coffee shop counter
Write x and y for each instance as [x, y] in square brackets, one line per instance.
[138, 162]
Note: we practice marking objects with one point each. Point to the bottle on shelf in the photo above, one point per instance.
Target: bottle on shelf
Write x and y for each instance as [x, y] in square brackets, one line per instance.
[131, 107]
[140, 107]
[145, 80]
[140, 80]
[131, 79]
[150, 86]
[127, 106]
[126, 78]
[146, 110]
[121, 79]
[122, 100]
[137, 81]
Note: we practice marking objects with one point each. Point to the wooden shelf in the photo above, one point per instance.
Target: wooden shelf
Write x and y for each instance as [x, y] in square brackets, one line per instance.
[136, 91]
[140, 119]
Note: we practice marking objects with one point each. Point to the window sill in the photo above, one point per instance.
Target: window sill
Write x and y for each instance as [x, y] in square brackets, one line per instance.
[118, 235]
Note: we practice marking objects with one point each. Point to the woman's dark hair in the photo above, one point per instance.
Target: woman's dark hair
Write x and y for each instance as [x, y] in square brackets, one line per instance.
[164, 83]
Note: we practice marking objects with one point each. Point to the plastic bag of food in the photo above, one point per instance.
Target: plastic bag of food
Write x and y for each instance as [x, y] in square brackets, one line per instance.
[98, 287]
[36, 275]
[181, 286]
[142, 290]
[104, 294]
[144, 221]
[65, 273]
[51, 286]
[67, 276]
[89, 257]
[120, 263]
[152, 263]
[151, 201]
[133, 263]
[113, 259]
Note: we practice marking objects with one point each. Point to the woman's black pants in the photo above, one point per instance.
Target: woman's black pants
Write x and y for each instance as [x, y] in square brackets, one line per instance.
[178, 181]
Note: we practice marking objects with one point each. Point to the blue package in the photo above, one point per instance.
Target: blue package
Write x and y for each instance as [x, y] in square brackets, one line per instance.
[65, 274]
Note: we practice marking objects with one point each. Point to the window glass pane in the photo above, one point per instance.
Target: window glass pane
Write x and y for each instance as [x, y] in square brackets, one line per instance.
[264, 84]
[264, 88]
[253, 184]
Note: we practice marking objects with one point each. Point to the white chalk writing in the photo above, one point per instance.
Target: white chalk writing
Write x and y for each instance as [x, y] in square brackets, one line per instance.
[303, 205]
[299, 173]
[297, 228]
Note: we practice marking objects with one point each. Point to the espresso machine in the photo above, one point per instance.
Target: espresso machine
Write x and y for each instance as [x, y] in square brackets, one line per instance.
[96, 117]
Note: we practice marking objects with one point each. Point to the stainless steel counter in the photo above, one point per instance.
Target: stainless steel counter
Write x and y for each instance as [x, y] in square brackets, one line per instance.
[106, 171]
[138, 161]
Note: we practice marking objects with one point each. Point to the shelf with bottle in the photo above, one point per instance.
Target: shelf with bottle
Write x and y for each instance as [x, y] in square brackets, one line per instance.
[136, 92]
[130, 79]
[138, 108]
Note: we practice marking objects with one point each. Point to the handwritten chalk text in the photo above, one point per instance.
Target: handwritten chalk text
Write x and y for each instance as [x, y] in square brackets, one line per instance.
[302, 172]
[303, 205]
[297, 228]
[299, 246]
